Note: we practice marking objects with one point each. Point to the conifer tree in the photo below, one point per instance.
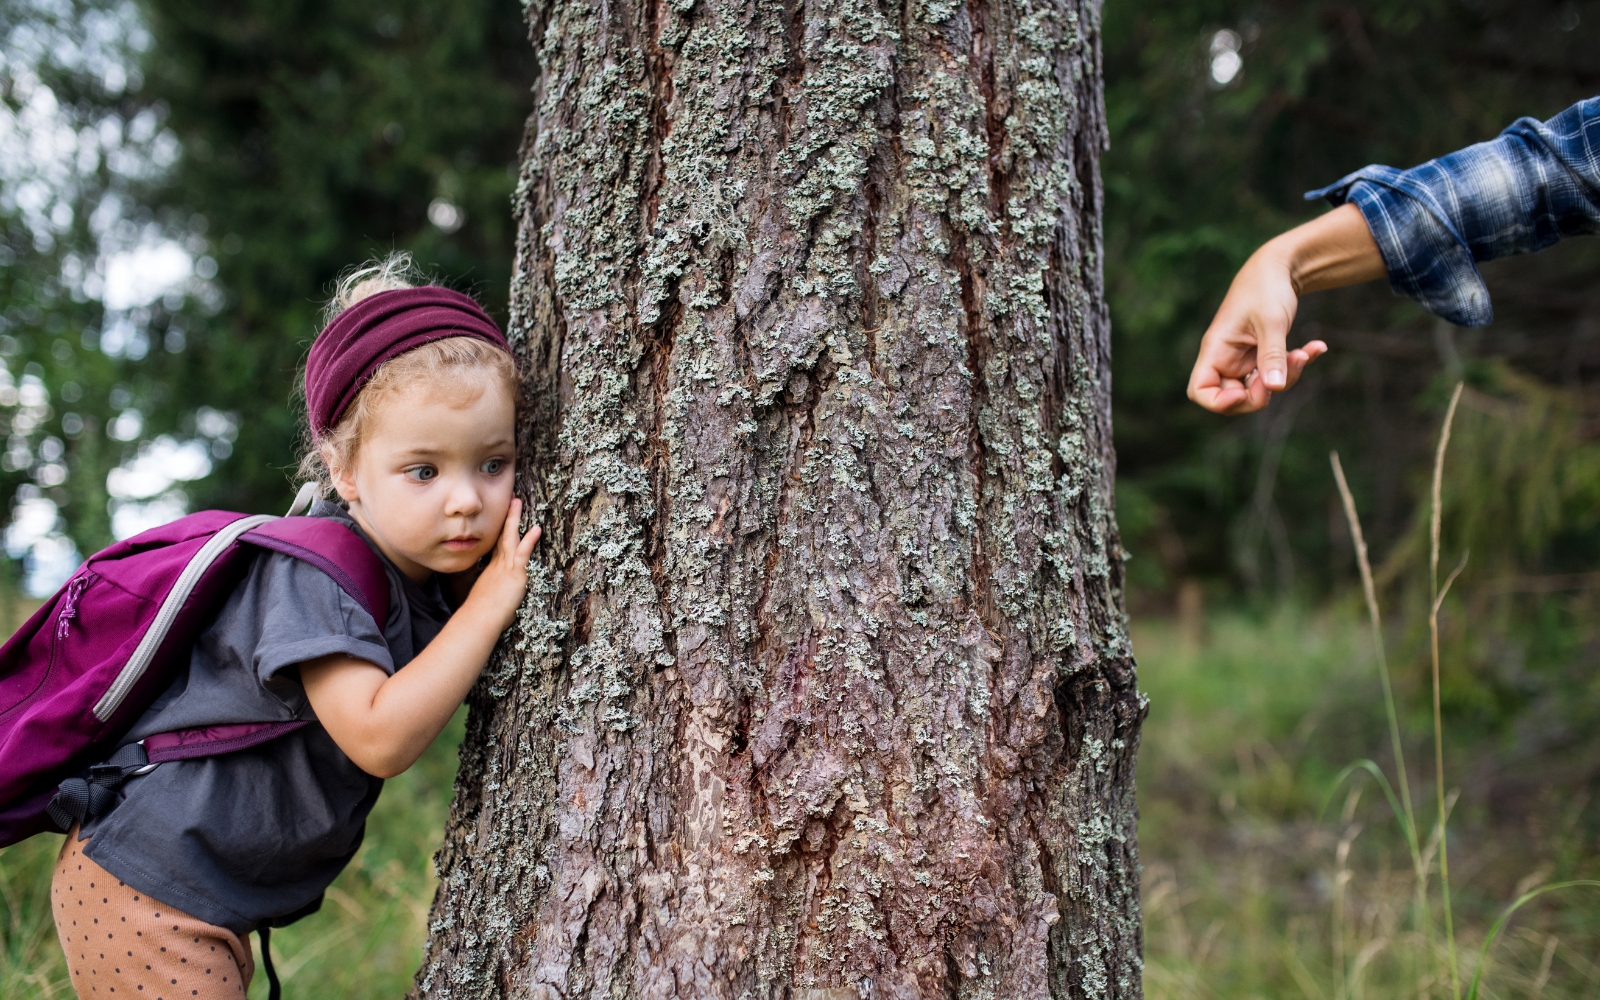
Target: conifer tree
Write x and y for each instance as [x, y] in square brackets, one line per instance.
[823, 688]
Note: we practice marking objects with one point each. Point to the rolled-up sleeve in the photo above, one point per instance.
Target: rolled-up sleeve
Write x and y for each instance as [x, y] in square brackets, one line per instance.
[301, 614]
[1532, 186]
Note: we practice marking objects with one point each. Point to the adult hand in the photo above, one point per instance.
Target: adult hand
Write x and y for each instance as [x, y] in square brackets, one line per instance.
[1244, 358]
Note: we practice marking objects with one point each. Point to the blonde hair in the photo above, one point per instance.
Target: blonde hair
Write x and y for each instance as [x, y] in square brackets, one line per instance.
[463, 365]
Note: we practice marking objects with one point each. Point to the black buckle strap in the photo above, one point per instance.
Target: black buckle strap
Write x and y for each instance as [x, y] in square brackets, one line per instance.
[94, 790]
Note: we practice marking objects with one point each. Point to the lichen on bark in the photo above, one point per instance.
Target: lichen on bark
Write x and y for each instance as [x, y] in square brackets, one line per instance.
[823, 686]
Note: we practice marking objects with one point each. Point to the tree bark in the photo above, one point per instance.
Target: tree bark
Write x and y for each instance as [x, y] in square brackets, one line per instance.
[823, 689]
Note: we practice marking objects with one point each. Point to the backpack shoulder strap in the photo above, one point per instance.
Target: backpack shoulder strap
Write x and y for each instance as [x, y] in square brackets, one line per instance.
[172, 609]
[334, 549]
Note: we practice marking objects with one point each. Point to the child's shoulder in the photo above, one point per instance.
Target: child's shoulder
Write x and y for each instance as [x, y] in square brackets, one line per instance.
[287, 611]
[280, 592]
[287, 589]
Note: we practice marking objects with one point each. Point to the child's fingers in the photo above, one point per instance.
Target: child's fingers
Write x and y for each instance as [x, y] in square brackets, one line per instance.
[516, 547]
[525, 547]
[510, 532]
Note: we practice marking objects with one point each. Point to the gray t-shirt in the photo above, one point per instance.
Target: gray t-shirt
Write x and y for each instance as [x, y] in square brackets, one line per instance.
[253, 837]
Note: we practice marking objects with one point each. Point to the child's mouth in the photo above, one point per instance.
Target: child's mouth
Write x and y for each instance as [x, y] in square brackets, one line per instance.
[462, 544]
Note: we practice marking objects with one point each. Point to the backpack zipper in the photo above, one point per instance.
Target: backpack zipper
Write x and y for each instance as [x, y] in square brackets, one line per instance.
[139, 662]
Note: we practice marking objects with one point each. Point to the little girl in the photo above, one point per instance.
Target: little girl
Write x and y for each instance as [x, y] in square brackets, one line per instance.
[411, 399]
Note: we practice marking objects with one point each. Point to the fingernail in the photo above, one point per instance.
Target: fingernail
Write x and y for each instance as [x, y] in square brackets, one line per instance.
[1274, 379]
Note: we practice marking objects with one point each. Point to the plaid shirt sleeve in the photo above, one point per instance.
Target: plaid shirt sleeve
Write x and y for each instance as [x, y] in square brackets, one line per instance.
[1523, 191]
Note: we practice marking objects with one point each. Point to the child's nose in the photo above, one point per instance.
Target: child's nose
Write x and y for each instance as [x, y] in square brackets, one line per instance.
[463, 501]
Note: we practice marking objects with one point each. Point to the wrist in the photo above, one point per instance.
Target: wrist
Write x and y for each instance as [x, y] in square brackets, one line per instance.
[1331, 251]
[1305, 261]
[1279, 259]
[495, 606]
[1296, 257]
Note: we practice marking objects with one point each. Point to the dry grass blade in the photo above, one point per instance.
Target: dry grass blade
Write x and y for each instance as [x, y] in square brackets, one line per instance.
[1438, 486]
[1364, 564]
[1408, 819]
[1438, 599]
[1433, 635]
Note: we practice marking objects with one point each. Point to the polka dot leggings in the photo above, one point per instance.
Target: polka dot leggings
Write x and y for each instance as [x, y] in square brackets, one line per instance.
[120, 942]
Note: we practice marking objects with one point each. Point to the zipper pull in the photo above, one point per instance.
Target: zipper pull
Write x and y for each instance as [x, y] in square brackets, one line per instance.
[69, 608]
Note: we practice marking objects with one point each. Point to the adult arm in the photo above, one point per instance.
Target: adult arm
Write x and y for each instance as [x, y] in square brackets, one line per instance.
[1250, 332]
[384, 721]
[1535, 184]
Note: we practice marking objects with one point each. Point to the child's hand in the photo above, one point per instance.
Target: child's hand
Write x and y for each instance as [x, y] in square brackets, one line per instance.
[504, 581]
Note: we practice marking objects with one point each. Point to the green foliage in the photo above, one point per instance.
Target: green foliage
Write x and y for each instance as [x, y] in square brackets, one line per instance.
[1397, 923]
[76, 139]
[1521, 501]
[59, 391]
[1254, 889]
[315, 136]
[31, 961]
[1522, 491]
[275, 145]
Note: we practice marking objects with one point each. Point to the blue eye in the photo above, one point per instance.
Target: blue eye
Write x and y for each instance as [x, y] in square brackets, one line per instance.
[494, 466]
[423, 473]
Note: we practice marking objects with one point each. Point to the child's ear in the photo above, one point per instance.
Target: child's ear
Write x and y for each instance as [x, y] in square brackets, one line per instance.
[343, 482]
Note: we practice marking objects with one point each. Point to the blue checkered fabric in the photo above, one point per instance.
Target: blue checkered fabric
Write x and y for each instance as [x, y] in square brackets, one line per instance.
[1523, 191]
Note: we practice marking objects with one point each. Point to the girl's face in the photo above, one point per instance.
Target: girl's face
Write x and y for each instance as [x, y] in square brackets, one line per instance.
[431, 483]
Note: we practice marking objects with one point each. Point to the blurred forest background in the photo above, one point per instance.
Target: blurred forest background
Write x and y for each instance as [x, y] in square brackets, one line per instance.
[181, 181]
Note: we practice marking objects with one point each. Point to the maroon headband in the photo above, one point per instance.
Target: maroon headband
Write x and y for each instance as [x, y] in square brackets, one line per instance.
[378, 328]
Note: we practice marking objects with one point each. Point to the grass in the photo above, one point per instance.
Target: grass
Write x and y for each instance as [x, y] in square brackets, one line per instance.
[1381, 915]
[1252, 890]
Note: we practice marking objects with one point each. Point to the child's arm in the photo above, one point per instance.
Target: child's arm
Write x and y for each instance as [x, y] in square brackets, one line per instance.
[385, 721]
[1251, 328]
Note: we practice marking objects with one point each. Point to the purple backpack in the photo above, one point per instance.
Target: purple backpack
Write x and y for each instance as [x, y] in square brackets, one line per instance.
[77, 676]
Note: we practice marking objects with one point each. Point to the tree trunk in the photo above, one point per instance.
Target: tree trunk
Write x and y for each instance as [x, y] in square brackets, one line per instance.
[823, 689]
